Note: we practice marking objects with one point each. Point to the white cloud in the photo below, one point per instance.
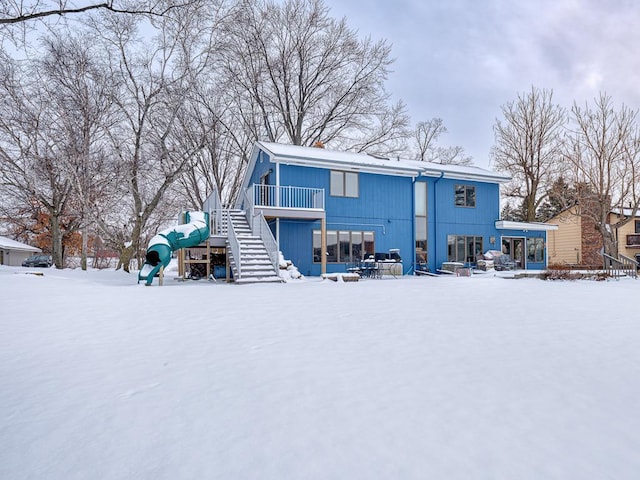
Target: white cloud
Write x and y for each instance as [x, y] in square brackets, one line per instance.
[462, 59]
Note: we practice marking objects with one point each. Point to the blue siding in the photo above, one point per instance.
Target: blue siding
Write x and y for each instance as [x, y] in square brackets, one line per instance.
[445, 218]
[384, 206]
[262, 166]
[529, 264]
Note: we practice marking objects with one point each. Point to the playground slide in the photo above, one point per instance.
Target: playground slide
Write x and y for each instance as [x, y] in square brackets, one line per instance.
[192, 233]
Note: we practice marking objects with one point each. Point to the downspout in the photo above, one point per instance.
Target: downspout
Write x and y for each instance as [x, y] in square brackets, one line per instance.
[278, 204]
[435, 215]
[413, 216]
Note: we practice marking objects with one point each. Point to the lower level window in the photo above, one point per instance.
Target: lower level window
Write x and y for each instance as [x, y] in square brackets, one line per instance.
[344, 246]
[463, 248]
[535, 249]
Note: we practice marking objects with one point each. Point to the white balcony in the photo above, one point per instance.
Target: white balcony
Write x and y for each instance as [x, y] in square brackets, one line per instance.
[286, 202]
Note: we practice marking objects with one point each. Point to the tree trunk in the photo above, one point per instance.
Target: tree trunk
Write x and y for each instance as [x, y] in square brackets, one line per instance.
[129, 253]
[609, 242]
[125, 258]
[85, 247]
[530, 208]
[56, 241]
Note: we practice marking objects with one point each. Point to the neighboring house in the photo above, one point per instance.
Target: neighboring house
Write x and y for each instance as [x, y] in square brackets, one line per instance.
[628, 235]
[578, 242]
[13, 253]
[327, 209]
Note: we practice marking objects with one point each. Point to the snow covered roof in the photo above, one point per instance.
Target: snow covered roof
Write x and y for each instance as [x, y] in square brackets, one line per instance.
[627, 212]
[10, 244]
[325, 158]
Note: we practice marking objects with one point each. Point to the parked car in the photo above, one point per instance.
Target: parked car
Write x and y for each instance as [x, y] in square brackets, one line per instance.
[38, 261]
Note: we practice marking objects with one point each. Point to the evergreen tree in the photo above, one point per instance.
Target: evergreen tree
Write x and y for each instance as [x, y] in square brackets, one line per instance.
[561, 196]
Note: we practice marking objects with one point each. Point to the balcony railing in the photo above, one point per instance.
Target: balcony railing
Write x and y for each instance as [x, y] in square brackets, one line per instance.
[287, 197]
[633, 240]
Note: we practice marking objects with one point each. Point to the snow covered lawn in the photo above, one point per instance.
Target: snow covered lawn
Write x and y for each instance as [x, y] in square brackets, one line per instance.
[416, 378]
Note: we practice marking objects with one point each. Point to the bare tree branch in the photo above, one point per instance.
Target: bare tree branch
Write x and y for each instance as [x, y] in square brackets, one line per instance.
[527, 146]
[19, 15]
[603, 154]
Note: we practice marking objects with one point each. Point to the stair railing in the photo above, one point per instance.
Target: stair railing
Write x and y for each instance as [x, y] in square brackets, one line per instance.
[235, 246]
[213, 206]
[260, 228]
[617, 267]
[248, 204]
[631, 266]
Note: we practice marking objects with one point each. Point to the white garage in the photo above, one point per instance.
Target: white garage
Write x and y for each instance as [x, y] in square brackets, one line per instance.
[13, 253]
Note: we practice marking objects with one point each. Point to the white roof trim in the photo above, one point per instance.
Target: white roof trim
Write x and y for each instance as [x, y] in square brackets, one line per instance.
[324, 158]
[533, 226]
[342, 166]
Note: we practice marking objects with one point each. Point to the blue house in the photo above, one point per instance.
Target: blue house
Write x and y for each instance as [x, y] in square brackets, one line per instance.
[327, 209]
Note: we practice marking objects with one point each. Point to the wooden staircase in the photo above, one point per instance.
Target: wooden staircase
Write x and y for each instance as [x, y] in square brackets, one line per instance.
[254, 262]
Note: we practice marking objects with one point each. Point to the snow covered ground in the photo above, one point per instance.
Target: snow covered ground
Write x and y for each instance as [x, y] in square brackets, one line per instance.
[414, 378]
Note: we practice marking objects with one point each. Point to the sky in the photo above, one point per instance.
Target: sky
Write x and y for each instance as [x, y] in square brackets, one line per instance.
[377, 379]
[461, 60]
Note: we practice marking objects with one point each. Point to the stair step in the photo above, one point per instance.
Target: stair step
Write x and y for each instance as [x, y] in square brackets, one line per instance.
[246, 253]
[254, 260]
[256, 268]
[257, 274]
[260, 280]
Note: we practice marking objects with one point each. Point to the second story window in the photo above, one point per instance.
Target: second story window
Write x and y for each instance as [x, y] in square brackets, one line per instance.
[344, 184]
[465, 196]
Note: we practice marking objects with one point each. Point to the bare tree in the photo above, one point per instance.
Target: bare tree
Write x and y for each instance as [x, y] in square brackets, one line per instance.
[452, 156]
[151, 153]
[426, 136]
[603, 153]
[211, 116]
[83, 95]
[221, 162]
[32, 154]
[385, 133]
[528, 146]
[309, 76]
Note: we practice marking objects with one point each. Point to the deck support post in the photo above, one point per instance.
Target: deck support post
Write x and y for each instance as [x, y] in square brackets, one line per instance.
[181, 267]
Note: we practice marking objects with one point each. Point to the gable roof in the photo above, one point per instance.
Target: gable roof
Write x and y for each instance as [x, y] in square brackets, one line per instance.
[10, 244]
[333, 159]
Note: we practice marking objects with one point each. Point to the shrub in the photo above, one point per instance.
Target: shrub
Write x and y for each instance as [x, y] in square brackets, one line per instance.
[560, 274]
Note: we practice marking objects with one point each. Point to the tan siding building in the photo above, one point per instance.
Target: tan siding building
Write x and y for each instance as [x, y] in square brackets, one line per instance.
[564, 243]
[628, 236]
[575, 242]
